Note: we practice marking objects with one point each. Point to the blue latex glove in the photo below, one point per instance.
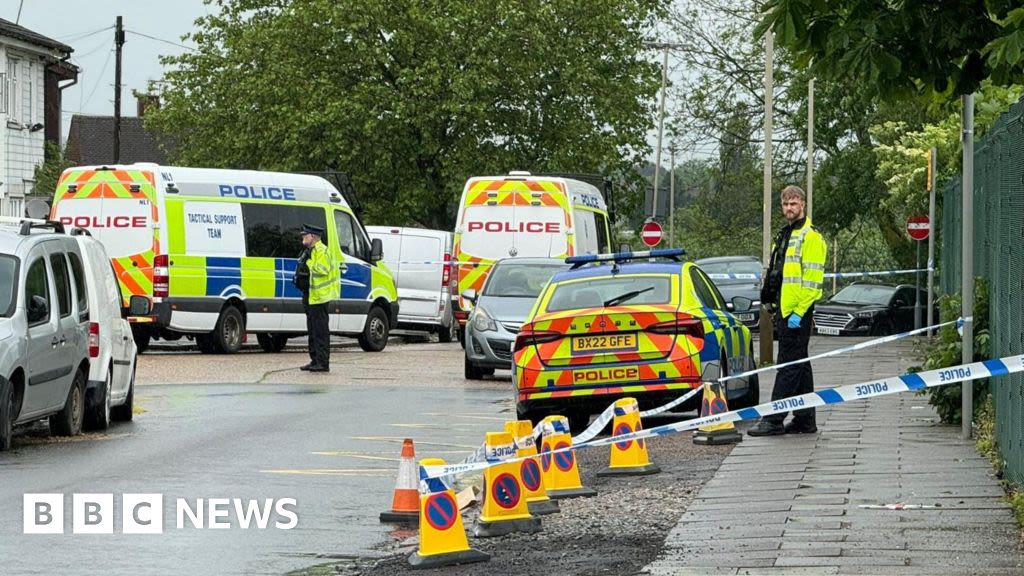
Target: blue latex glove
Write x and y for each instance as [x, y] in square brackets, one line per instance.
[794, 321]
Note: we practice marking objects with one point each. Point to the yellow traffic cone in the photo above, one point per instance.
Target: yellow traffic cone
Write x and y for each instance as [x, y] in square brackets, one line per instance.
[628, 458]
[505, 509]
[443, 539]
[561, 475]
[405, 505]
[529, 470]
[714, 403]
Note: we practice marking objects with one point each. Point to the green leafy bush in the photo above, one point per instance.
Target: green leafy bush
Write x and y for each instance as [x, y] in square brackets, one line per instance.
[946, 350]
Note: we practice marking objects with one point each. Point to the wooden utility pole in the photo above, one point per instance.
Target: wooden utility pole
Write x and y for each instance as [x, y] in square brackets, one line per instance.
[766, 336]
[118, 42]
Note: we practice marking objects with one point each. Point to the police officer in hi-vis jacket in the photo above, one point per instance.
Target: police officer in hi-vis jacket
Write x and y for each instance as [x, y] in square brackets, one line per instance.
[324, 284]
[793, 285]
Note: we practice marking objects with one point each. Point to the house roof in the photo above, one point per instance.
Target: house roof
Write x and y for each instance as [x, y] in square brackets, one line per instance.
[91, 141]
[8, 28]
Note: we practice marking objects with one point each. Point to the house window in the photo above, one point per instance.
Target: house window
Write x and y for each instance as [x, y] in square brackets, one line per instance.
[28, 104]
[3, 93]
[13, 92]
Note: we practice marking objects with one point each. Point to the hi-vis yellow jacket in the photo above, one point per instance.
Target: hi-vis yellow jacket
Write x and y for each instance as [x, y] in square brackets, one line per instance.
[803, 270]
[324, 275]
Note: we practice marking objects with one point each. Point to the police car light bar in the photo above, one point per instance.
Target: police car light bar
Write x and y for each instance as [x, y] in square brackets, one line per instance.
[672, 253]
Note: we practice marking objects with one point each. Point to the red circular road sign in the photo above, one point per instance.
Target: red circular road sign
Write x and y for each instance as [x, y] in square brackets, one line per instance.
[918, 227]
[651, 233]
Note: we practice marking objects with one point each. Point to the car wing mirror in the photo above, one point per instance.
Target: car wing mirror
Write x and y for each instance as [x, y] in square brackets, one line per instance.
[138, 306]
[469, 294]
[741, 304]
[38, 309]
[376, 250]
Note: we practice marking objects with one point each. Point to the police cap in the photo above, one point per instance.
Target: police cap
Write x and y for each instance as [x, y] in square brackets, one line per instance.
[309, 229]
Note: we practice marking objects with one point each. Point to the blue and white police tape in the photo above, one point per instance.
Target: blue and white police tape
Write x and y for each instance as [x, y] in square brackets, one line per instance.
[851, 392]
[878, 273]
[733, 276]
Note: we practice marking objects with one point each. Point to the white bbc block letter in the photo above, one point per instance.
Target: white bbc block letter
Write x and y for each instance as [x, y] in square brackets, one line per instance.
[43, 513]
[92, 514]
[142, 513]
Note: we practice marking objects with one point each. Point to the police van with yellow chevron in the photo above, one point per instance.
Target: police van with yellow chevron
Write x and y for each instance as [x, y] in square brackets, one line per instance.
[216, 251]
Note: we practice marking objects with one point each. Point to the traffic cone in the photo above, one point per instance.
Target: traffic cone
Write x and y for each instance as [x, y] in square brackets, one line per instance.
[537, 499]
[443, 539]
[628, 458]
[714, 403]
[405, 505]
[505, 509]
[561, 475]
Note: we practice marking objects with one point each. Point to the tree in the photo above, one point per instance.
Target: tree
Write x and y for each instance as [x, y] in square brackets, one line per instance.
[903, 48]
[47, 172]
[412, 97]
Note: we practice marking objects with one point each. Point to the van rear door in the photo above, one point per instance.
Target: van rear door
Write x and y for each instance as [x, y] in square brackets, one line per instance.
[420, 284]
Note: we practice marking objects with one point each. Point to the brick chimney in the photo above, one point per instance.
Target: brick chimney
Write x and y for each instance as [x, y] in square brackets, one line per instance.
[146, 101]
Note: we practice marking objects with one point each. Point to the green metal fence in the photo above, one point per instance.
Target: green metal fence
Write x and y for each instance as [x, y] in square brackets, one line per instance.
[999, 257]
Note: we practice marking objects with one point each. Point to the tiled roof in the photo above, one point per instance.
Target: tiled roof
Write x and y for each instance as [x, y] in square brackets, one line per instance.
[91, 141]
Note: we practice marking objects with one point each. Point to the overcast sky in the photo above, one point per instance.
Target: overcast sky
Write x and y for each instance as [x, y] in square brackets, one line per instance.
[88, 27]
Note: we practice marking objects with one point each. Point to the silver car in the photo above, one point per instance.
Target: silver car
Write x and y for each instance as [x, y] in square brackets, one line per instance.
[499, 309]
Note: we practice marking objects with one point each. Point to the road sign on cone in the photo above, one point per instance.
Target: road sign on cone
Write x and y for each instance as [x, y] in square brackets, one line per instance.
[714, 403]
[537, 499]
[505, 509]
[443, 539]
[561, 475]
[405, 505]
[628, 458]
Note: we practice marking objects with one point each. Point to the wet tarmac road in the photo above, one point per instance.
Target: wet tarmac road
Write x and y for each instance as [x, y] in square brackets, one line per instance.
[332, 447]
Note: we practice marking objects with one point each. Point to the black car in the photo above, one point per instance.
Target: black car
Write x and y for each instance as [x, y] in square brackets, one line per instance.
[871, 309]
[736, 276]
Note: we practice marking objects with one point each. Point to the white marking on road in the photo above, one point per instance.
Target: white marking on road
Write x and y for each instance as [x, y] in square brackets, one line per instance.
[334, 472]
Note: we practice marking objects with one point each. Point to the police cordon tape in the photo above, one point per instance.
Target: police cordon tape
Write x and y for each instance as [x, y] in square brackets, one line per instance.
[602, 420]
[838, 395]
[878, 273]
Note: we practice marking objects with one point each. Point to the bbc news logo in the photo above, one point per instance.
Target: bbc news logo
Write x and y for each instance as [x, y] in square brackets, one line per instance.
[144, 513]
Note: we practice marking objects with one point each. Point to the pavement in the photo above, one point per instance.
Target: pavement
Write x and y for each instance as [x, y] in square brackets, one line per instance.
[816, 503]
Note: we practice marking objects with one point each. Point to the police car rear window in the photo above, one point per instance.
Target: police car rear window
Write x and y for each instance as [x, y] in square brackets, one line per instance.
[620, 290]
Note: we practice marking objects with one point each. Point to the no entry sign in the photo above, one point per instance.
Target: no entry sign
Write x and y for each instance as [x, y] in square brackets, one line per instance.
[918, 227]
[651, 233]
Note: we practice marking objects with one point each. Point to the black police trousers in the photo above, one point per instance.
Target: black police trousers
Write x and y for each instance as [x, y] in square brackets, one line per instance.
[797, 379]
[319, 334]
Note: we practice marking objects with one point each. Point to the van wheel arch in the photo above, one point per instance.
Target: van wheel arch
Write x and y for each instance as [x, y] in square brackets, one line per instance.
[17, 381]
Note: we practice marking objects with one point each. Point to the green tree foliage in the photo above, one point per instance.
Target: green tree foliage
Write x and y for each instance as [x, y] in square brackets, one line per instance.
[903, 48]
[49, 170]
[412, 97]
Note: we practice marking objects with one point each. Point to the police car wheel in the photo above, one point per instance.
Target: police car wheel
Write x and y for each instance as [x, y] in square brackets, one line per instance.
[6, 414]
[227, 335]
[375, 334]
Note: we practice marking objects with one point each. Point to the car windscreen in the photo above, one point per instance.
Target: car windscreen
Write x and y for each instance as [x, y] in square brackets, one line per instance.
[626, 290]
[8, 284]
[519, 280]
[730, 269]
[864, 294]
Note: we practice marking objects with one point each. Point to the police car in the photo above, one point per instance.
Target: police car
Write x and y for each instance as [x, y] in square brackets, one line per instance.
[642, 324]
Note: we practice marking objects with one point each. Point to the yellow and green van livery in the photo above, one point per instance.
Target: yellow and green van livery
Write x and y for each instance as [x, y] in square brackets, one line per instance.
[216, 251]
[614, 326]
[521, 215]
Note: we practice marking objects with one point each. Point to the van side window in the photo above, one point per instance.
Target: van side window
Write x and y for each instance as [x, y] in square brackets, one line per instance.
[62, 282]
[37, 285]
[353, 242]
[601, 222]
[272, 230]
[78, 272]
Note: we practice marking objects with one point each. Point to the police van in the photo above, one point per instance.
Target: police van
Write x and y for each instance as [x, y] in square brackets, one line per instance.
[216, 250]
[522, 215]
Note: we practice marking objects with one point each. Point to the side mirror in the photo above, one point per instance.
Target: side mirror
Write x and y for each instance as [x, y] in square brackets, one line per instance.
[741, 304]
[470, 294]
[138, 306]
[898, 303]
[38, 309]
[376, 250]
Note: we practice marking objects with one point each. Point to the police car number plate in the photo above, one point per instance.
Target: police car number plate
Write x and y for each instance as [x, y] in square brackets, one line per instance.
[748, 317]
[831, 331]
[604, 343]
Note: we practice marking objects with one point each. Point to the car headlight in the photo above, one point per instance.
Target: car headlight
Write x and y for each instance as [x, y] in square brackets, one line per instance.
[482, 322]
[869, 314]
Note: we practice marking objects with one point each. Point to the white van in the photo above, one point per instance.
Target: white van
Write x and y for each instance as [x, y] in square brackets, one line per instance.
[216, 250]
[110, 391]
[420, 259]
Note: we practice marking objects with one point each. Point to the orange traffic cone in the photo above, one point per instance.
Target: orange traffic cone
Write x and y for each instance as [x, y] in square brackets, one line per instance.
[561, 475]
[714, 403]
[529, 470]
[443, 540]
[405, 505]
[628, 458]
[504, 510]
